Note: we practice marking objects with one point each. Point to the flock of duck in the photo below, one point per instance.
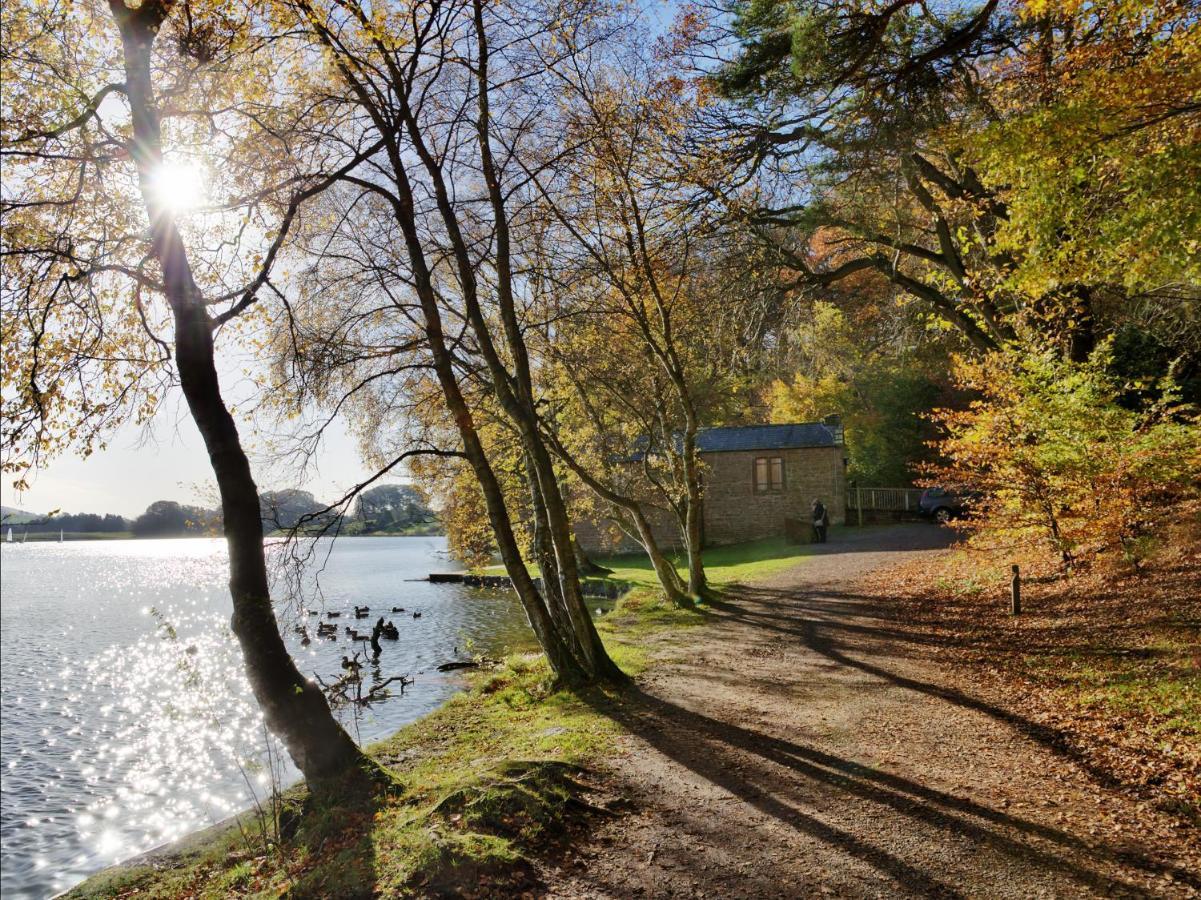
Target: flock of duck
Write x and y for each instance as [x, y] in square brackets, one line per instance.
[329, 629]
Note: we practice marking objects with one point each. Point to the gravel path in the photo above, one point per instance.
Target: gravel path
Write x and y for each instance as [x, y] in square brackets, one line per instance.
[802, 745]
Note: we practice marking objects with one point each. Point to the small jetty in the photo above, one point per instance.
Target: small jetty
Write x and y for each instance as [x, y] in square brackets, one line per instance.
[468, 578]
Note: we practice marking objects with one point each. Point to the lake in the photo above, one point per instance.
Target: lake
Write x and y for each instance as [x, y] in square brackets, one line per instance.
[127, 719]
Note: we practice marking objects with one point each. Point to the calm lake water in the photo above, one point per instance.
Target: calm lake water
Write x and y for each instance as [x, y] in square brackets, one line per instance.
[127, 720]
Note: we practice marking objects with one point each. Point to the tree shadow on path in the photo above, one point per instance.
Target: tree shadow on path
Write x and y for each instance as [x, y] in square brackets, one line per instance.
[883, 820]
[816, 780]
[832, 625]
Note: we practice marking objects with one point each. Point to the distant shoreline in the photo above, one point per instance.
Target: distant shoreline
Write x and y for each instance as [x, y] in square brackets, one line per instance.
[52, 537]
[42, 537]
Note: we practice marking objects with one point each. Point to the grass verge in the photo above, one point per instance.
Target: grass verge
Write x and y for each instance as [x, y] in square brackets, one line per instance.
[723, 565]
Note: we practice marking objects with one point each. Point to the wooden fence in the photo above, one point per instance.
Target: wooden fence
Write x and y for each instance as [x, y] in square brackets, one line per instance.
[877, 499]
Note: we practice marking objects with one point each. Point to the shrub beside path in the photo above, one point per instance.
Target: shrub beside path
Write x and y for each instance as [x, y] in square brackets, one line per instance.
[804, 745]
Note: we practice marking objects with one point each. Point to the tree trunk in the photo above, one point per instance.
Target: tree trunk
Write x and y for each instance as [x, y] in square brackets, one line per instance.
[521, 406]
[544, 552]
[294, 707]
[598, 660]
[565, 664]
[673, 588]
[516, 401]
[1081, 326]
[665, 571]
[390, 124]
[585, 563]
[697, 583]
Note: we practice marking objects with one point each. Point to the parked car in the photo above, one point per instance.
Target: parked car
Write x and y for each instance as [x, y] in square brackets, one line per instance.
[942, 504]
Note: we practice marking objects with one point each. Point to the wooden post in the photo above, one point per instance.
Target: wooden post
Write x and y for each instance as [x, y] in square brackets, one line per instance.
[1015, 593]
[859, 503]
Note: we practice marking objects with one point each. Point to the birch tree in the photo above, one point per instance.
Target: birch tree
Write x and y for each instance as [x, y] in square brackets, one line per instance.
[118, 284]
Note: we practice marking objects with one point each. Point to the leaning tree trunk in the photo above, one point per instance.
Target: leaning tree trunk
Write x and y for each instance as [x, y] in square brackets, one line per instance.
[544, 552]
[598, 660]
[583, 642]
[518, 402]
[693, 537]
[585, 563]
[669, 580]
[559, 646]
[294, 707]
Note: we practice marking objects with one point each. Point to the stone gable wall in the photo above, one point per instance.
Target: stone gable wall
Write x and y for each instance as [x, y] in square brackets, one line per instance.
[733, 511]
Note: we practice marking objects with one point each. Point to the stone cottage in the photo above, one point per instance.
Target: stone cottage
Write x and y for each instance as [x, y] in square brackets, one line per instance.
[756, 476]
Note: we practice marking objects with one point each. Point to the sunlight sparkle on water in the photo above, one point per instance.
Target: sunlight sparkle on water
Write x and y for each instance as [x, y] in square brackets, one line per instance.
[129, 733]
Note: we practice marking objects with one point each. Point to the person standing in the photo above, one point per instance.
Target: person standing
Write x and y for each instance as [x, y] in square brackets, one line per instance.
[821, 521]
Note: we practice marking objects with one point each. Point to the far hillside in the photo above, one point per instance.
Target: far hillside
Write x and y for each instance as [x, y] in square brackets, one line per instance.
[393, 509]
[10, 515]
[389, 509]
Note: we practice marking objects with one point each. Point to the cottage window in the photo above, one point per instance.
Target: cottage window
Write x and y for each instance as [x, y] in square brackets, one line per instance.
[769, 474]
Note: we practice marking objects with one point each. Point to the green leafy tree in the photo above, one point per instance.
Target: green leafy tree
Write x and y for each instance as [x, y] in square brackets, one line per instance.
[1096, 148]
[1027, 172]
[881, 390]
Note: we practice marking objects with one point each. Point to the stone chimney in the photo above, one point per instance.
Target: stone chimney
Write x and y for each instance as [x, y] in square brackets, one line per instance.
[834, 423]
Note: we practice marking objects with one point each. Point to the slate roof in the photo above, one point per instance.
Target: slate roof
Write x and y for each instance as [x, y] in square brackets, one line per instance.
[732, 438]
[765, 437]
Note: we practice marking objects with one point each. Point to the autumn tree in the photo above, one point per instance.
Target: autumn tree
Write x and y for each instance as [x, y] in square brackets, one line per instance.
[628, 237]
[873, 371]
[1095, 148]
[442, 88]
[1026, 172]
[840, 128]
[599, 422]
[1060, 462]
[117, 286]
[981, 157]
[1096, 153]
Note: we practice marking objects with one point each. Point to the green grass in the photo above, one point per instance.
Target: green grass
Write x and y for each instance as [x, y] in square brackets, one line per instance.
[723, 565]
[1159, 683]
[493, 773]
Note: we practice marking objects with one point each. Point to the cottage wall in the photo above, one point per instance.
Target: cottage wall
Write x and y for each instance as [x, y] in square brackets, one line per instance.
[735, 513]
[602, 537]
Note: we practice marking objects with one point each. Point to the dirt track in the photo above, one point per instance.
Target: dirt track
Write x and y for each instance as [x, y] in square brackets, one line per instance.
[803, 745]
